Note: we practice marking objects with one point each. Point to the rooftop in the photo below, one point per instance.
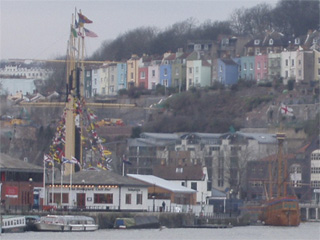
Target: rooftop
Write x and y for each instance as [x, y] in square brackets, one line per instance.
[13, 164]
[162, 183]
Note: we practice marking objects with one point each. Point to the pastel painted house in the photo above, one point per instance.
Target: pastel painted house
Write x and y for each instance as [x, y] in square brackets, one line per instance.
[166, 69]
[143, 77]
[227, 72]
[248, 67]
[88, 83]
[96, 82]
[122, 75]
[153, 75]
[274, 66]
[261, 67]
[132, 71]
[288, 65]
[198, 73]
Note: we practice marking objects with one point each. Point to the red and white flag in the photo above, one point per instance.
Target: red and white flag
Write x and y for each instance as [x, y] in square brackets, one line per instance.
[286, 110]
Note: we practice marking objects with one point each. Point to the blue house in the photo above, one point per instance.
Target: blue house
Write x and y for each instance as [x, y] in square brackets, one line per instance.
[247, 67]
[165, 75]
[227, 71]
[88, 83]
[122, 75]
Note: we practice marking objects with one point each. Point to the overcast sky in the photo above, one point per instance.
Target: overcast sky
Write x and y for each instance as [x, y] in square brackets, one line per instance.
[39, 29]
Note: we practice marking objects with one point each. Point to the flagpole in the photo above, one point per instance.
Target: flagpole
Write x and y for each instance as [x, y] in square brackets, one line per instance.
[61, 185]
[44, 183]
[71, 170]
[52, 182]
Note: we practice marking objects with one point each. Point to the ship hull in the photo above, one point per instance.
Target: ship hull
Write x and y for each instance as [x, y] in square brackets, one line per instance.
[281, 212]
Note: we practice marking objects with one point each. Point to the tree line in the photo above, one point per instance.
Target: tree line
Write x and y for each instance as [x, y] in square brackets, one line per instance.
[292, 18]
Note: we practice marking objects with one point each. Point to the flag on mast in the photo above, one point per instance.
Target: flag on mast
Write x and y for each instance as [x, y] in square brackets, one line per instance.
[83, 19]
[89, 33]
[47, 158]
[74, 32]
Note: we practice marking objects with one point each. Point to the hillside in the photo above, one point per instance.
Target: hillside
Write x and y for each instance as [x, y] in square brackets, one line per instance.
[251, 106]
[212, 111]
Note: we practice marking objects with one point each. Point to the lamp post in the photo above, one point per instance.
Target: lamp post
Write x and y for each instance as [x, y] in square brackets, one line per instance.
[153, 198]
[231, 207]
[30, 198]
[83, 196]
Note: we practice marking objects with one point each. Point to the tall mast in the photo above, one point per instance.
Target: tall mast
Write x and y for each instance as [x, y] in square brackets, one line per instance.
[71, 91]
[280, 137]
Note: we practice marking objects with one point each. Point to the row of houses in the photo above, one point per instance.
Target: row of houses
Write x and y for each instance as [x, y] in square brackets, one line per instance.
[263, 58]
[18, 71]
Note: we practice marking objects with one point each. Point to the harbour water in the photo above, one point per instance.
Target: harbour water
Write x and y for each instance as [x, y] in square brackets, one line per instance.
[306, 231]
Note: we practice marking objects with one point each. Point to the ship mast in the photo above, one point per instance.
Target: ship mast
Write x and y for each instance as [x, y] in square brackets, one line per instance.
[74, 92]
[280, 137]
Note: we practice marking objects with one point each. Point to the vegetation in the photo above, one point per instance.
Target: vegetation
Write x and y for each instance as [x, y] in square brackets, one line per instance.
[207, 110]
[252, 21]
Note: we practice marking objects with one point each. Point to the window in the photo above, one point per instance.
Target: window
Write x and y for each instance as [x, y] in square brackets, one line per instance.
[315, 155]
[256, 42]
[103, 198]
[165, 72]
[315, 184]
[297, 41]
[88, 73]
[257, 51]
[299, 62]
[258, 65]
[153, 73]
[292, 62]
[197, 47]
[177, 70]
[245, 66]
[139, 198]
[271, 41]
[194, 185]
[190, 70]
[286, 74]
[299, 73]
[131, 76]
[179, 170]
[287, 62]
[220, 68]
[319, 71]
[142, 75]
[319, 60]
[128, 198]
[251, 66]
[315, 170]
[197, 69]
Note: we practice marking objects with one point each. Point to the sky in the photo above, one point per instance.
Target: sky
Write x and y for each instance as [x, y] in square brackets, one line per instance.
[39, 29]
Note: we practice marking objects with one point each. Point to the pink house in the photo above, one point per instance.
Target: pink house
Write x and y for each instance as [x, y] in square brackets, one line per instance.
[143, 77]
[261, 64]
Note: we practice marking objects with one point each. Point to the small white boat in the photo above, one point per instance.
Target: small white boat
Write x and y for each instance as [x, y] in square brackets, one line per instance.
[13, 224]
[60, 223]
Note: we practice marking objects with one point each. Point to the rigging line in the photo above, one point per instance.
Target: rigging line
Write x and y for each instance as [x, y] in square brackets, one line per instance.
[50, 46]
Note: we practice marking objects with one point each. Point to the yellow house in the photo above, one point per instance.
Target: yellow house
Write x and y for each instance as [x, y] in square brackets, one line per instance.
[132, 71]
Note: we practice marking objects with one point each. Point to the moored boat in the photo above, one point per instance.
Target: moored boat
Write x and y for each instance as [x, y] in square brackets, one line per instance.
[137, 222]
[282, 210]
[13, 224]
[61, 223]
